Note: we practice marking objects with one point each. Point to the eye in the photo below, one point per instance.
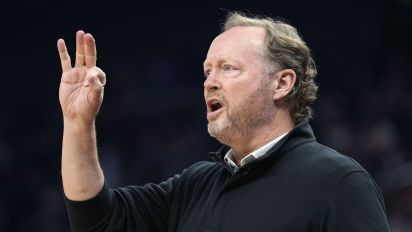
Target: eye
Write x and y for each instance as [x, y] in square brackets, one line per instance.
[228, 67]
[206, 73]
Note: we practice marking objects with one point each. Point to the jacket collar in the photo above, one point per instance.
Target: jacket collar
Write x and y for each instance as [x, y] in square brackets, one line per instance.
[301, 133]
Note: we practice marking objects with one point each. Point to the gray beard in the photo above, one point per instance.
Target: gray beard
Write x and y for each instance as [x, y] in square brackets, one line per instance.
[241, 122]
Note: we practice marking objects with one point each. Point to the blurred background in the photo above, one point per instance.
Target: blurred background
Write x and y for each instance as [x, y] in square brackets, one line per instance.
[152, 123]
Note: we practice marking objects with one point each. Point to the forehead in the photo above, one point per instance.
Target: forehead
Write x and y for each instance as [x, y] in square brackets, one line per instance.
[241, 42]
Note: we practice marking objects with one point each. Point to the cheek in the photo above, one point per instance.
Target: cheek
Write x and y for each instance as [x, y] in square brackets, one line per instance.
[234, 101]
[238, 94]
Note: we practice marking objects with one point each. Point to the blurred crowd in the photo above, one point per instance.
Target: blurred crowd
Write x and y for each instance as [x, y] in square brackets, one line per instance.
[152, 123]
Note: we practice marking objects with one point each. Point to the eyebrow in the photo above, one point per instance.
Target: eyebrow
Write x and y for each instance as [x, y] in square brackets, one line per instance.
[222, 60]
[205, 63]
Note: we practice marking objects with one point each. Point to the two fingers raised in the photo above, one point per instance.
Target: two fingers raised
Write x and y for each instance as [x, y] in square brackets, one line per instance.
[85, 52]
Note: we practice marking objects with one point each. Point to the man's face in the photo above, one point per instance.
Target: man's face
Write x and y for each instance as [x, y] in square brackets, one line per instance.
[237, 89]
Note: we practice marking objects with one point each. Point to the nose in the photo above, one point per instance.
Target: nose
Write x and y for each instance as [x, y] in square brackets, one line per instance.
[211, 83]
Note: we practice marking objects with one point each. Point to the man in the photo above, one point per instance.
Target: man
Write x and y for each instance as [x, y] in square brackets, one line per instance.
[271, 175]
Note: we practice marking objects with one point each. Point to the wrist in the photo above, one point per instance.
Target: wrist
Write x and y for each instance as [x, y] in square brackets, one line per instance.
[78, 125]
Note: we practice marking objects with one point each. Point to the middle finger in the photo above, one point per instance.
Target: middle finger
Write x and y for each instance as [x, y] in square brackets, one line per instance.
[80, 49]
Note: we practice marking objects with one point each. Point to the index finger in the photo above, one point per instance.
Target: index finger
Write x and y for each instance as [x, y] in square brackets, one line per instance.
[90, 48]
[64, 55]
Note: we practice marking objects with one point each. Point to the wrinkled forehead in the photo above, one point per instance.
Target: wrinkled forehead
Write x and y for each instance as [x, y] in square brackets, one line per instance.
[238, 41]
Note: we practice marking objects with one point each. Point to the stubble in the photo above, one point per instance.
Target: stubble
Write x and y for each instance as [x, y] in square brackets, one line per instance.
[242, 120]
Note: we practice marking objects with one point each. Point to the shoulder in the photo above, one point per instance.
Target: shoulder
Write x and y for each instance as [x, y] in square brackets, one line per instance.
[318, 165]
[200, 166]
[197, 179]
[317, 157]
[199, 172]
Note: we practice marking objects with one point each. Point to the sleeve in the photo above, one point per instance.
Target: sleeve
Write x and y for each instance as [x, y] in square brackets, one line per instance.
[356, 205]
[133, 208]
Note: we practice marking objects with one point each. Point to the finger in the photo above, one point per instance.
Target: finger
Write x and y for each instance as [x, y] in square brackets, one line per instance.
[80, 48]
[95, 96]
[64, 55]
[101, 75]
[95, 74]
[90, 47]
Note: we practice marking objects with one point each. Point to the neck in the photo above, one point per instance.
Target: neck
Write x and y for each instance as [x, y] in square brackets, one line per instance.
[258, 137]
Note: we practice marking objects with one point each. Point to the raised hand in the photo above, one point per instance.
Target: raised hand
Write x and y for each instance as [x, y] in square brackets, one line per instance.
[82, 86]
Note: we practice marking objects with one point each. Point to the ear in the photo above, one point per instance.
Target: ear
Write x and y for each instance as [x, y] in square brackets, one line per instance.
[284, 81]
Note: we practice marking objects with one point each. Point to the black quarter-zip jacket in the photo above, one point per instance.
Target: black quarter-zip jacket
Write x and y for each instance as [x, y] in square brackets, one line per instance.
[299, 186]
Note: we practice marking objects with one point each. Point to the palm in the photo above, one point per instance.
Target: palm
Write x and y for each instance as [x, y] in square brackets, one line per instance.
[73, 95]
[81, 86]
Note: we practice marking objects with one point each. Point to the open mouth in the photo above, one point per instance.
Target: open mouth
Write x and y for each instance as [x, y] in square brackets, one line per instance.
[214, 105]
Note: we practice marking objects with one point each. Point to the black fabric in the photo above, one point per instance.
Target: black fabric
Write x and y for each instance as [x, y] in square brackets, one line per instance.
[299, 186]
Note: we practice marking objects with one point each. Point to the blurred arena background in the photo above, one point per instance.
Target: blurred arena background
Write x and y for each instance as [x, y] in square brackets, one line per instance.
[152, 123]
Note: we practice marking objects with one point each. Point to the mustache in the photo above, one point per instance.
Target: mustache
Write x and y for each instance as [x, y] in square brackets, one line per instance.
[218, 95]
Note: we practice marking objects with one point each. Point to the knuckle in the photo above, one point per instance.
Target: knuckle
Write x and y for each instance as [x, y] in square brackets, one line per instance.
[100, 72]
